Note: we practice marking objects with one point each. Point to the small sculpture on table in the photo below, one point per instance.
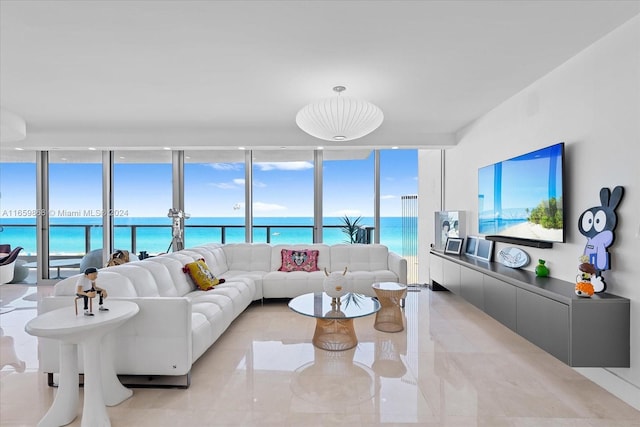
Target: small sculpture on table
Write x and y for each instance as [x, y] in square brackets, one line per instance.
[87, 288]
[336, 284]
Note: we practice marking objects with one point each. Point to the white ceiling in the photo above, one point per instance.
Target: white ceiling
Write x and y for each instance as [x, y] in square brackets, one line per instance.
[199, 74]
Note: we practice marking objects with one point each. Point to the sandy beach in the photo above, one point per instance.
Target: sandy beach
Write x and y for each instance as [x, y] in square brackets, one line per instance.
[529, 230]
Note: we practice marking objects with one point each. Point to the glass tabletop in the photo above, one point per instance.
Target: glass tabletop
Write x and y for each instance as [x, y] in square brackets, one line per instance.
[319, 305]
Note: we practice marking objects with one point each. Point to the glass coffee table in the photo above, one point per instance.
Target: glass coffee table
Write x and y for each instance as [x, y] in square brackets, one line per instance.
[334, 318]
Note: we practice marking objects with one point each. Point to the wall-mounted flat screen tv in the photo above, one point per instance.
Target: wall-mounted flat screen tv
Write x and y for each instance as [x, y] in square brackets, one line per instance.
[522, 197]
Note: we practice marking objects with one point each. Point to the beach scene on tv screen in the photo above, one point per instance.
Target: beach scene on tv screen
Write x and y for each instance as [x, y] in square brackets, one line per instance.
[522, 197]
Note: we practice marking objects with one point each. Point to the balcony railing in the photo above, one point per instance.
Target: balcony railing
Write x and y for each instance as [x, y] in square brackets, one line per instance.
[63, 239]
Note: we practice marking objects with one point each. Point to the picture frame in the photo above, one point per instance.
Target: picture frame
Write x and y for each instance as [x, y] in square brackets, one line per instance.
[484, 251]
[479, 248]
[470, 246]
[454, 245]
[448, 224]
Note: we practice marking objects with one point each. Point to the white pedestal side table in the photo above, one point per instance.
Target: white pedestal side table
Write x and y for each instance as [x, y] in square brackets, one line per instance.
[101, 384]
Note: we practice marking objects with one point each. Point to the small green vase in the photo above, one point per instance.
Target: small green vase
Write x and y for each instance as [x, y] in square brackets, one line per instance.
[541, 269]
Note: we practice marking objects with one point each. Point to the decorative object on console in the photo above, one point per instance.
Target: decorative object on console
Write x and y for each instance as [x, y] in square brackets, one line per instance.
[584, 287]
[448, 224]
[453, 245]
[299, 260]
[479, 248]
[541, 269]
[339, 118]
[513, 257]
[336, 283]
[597, 225]
[201, 275]
[471, 245]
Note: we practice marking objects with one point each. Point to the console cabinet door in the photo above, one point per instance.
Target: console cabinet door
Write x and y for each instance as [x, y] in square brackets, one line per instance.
[435, 269]
[452, 276]
[544, 322]
[500, 301]
[471, 286]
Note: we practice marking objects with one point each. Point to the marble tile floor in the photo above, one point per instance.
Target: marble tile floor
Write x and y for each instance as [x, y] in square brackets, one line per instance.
[452, 366]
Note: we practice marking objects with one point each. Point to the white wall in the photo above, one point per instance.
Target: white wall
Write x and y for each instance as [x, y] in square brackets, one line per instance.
[592, 103]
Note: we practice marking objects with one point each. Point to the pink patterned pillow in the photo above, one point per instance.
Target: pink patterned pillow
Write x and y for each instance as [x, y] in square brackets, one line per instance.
[299, 260]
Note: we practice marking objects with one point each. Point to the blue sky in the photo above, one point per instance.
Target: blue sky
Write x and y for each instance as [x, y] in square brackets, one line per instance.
[217, 189]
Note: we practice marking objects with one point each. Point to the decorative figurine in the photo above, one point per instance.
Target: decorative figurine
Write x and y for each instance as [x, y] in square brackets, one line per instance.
[336, 283]
[541, 269]
[597, 224]
[87, 288]
[584, 287]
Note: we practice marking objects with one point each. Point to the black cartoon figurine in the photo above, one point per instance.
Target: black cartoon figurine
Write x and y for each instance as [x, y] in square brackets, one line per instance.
[597, 224]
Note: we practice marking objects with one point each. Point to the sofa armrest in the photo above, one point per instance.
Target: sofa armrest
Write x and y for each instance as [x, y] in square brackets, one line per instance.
[398, 265]
[157, 341]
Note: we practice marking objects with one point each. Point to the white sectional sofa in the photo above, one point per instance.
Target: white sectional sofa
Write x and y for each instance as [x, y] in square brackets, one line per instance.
[177, 322]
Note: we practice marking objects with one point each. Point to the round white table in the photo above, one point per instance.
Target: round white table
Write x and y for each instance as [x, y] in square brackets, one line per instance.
[101, 384]
[57, 263]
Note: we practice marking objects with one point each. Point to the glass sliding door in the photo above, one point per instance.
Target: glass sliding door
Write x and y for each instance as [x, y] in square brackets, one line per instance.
[348, 195]
[75, 208]
[283, 196]
[142, 196]
[214, 196]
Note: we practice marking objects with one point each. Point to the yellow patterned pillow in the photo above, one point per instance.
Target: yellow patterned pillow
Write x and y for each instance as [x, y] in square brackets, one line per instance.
[201, 275]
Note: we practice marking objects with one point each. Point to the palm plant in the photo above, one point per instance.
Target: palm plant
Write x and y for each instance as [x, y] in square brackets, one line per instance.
[350, 228]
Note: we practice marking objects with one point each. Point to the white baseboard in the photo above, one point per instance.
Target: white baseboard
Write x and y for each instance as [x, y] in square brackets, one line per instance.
[619, 387]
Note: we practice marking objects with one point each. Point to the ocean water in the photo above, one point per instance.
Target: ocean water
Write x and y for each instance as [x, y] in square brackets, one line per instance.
[153, 234]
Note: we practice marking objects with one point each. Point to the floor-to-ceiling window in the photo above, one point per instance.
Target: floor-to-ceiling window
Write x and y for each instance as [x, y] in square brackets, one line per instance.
[398, 204]
[283, 195]
[142, 196]
[398, 177]
[75, 203]
[348, 192]
[18, 201]
[214, 196]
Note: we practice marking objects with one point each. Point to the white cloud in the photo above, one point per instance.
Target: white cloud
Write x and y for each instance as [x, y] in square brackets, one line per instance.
[284, 166]
[267, 207]
[223, 185]
[239, 181]
[226, 166]
[387, 197]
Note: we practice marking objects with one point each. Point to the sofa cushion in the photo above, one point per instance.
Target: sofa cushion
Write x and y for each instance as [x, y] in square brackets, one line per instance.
[161, 276]
[323, 259]
[215, 258]
[299, 260]
[174, 265]
[359, 257]
[141, 278]
[199, 272]
[248, 256]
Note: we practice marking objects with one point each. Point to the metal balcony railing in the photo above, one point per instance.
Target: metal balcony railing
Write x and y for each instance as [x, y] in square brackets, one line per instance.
[85, 237]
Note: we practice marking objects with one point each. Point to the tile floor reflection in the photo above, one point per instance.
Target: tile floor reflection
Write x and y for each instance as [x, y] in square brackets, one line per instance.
[452, 366]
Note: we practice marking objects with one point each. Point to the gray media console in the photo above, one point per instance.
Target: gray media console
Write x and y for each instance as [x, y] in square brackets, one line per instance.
[581, 332]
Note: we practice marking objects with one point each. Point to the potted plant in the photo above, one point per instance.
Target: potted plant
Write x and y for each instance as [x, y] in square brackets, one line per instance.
[350, 227]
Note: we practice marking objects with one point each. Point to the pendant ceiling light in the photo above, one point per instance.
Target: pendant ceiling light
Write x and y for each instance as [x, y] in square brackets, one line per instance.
[339, 118]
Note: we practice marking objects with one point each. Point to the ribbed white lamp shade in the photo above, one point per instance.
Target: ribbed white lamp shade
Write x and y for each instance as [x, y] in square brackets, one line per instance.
[339, 118]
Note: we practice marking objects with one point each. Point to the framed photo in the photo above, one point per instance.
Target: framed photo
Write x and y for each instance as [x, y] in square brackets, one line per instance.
[448, 224]
[453, 245]
[484, 250]
[470, 246]
[479, 248]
